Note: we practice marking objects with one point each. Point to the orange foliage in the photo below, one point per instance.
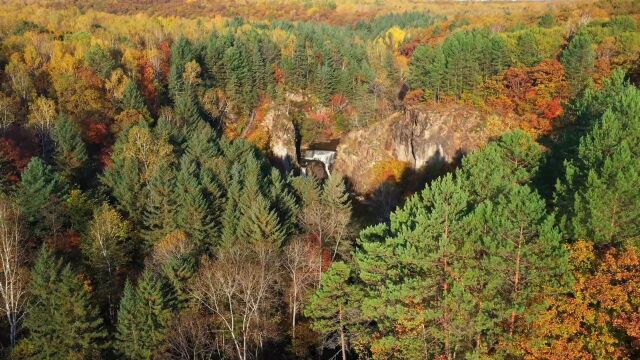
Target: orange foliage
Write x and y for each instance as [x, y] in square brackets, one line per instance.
[338, 102]
[165, 50]
[414, 97]
[90, 78]
[96, 132]
[279, 74]
[389, 170]
[147, 85]
[260, 138]
[536, 94]
[554, 109]
[320, 116]
[18, 146]
[601, 317]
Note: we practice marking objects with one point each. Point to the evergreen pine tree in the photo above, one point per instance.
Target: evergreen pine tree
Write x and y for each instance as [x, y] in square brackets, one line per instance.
[181, 53]
[99, 60]
[70, 151]
[132, 99]
[259, 71]
[214, 56]
[38, 194]
[597, 198]
[193, 211]
[61, 321]
[463, 70]
[231, 211]
[300, 64]
[330, 305]
[259, 223]
[284, 201]
[578, 60]
[160, 209]
[187, 114]
[420, 67]
[143, 319]
[528, 50]
[124, 179]
[202, 144]
[523, 259]
[178, 271]
[498, 53]
[515, 156]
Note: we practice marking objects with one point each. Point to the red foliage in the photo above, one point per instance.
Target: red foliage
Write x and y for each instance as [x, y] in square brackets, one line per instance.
[96, 132]
[535, 94]
[65, 242]
[19, 146]
[326, 259]
[279, 74]
[517, 83]
[554, 109]
[90, 78]
[165, 50]
[321, 117]
[339, 101]
[147, 83]
[408, 48]
[414, 97]
[105, 156]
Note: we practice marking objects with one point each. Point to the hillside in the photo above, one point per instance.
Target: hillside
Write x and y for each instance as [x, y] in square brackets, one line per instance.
[319, 179]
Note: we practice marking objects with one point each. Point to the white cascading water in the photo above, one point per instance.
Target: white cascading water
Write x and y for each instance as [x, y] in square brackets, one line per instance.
[326, 156]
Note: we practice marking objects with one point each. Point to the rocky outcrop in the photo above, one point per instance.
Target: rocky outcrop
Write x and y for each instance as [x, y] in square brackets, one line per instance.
[282, 137]
[420, 136]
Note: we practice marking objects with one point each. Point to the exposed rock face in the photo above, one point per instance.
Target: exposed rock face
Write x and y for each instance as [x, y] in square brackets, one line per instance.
[421, 137]
[316, 169]
[282, 137]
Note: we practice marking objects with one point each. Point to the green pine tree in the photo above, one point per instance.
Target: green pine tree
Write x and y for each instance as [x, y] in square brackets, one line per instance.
[187, 113]
[523, 259]
[39, 194]
[231, 210]
[193, 211]
[61, 321]
[528, 49]
[181, 53]
[597, 198]
[143, 319]
[70, 156]
[514, 159]
[578, 60]
[329, 307]
[160, 209]
[99, 60]
[132, 99]
[124, 180]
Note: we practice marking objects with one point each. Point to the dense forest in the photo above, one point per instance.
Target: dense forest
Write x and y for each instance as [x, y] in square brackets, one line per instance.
[145, 214]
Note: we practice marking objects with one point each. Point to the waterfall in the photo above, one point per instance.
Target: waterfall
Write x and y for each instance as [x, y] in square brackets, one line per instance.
[327, 157]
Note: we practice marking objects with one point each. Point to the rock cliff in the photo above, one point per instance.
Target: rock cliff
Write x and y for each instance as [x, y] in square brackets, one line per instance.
[282, 138]
[421, 137]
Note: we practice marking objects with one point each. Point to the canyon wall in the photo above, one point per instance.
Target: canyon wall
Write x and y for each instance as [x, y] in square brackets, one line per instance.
[421, 137]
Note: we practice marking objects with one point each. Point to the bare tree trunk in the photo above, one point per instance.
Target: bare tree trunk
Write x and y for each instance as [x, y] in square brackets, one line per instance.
[343, 343]
[516, 282]
[12, 280]
[293, 316]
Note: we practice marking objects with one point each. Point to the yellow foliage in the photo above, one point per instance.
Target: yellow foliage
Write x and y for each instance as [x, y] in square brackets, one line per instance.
[389, 170]
[117, 83]
[171, 246]
[260, 138]
[394, 37]
[147, 150]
